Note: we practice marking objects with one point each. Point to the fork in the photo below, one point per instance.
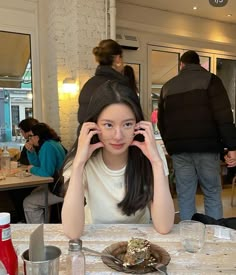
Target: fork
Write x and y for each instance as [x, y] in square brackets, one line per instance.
[102, 254]
[161, 268]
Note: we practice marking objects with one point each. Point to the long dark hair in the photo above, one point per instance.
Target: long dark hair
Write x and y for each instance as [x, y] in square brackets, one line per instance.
[26, 124]
[138, 174]
[129, 73]
[44, 132]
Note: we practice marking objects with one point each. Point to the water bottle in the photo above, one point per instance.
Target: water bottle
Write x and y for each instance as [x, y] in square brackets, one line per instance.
[8, 255]
[5, 162]
[76, 258]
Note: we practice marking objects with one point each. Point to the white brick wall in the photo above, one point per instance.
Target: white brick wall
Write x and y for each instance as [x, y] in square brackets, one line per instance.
[74, 28]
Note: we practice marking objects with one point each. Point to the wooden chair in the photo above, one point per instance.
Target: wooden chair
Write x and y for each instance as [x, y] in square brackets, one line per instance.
[232, 192]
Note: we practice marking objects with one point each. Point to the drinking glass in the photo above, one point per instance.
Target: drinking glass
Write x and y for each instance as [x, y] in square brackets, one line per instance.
[192, 235]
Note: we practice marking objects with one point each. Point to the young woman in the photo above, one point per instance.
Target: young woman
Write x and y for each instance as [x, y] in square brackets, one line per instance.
[45, 162]
[116, 167]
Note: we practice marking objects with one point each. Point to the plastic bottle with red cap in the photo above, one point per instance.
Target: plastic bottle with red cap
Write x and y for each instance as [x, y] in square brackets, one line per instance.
[8, 255]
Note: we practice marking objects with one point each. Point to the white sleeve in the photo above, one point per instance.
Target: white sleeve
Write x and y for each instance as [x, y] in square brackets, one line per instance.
[67, 173]
[163, 158]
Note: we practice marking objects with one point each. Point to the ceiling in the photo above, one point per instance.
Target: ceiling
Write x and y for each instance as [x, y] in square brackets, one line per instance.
[204, 9]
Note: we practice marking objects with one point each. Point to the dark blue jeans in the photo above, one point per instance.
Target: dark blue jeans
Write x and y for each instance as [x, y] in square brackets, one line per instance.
[191, 169]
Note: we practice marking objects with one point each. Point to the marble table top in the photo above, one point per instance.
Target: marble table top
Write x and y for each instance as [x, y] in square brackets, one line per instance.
[217, 256]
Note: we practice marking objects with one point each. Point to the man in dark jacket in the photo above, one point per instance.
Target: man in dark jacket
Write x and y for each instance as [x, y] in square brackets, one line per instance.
[196, 124]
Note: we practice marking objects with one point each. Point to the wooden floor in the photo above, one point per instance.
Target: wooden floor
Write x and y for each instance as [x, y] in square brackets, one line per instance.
[229, 211]
[5, 204]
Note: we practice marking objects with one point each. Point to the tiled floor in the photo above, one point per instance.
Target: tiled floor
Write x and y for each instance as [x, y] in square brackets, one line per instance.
[229, 211]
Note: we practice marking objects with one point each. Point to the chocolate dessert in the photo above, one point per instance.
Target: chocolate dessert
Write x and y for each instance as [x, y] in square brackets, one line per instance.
[138, 250]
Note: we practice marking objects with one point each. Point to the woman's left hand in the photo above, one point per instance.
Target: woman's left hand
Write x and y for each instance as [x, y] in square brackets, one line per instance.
[148, 146]
[28, 168]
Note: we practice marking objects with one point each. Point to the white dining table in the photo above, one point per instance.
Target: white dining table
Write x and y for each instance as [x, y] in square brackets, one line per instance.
[216, 257]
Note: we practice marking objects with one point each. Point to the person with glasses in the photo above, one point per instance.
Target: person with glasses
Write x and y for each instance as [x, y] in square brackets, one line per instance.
[25, 126]
[45, 163]
[116, 166]
[18, 195]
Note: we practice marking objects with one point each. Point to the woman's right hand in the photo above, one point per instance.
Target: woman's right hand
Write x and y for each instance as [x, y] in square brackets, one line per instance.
[29, 146]
[85, 148]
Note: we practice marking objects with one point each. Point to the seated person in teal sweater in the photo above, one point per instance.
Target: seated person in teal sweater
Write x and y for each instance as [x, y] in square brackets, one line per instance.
[44, 162]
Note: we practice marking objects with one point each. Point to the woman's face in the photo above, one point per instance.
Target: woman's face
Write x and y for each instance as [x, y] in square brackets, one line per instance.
[117, 123]
[24, 134]
[33, 139]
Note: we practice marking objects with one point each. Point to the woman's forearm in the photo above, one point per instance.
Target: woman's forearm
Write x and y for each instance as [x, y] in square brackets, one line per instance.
[162, 206]
[73, 206]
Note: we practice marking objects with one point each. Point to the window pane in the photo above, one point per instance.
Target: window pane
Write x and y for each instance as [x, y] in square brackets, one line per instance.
[226, 70]
[205, 62]
[164, 67]
[15, 82]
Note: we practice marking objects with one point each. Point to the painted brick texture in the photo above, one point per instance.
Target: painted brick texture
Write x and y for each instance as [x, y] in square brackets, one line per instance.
[75, 27]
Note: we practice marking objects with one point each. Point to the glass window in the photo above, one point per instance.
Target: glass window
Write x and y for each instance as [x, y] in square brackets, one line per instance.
[15, 81]
[226, 70]
[164, 66]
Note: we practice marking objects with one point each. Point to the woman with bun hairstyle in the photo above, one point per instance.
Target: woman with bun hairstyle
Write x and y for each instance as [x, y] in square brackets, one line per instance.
[108, 55]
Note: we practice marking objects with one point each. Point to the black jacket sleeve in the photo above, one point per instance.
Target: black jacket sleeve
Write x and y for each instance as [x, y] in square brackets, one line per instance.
[222, 113]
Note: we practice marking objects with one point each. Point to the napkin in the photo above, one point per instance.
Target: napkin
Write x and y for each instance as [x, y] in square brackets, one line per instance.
[36, 245]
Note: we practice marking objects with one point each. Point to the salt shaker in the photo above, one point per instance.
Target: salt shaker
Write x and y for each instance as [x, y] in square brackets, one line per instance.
[76, 258]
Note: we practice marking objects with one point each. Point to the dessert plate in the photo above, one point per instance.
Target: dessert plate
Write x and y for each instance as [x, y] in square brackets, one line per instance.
[158, 256]
[23, 174]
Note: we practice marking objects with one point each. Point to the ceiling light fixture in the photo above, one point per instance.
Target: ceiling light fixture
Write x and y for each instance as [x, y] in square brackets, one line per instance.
[195, 8]
[229, 15]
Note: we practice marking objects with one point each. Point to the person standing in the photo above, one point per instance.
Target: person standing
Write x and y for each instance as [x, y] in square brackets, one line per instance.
[108, 55]
[196, 123]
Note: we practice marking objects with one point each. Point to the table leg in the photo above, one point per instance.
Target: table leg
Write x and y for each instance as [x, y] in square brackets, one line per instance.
[46, 219]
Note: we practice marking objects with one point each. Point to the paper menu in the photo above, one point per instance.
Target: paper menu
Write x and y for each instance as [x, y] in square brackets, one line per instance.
[36, 245]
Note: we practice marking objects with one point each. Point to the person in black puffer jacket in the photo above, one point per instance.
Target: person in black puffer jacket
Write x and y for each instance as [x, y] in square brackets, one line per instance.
[196, 124]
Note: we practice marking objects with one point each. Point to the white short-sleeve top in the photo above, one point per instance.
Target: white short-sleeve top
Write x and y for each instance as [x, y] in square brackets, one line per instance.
[104, 190]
